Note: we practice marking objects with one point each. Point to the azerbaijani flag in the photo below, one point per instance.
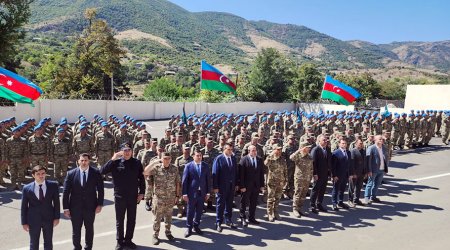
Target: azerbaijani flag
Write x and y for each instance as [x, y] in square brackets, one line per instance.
[338, 91]
[213, 79]
[17, 89]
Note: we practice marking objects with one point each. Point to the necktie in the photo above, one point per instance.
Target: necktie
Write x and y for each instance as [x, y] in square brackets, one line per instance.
[345, 153]
[84, 178]
[41, 193]
[324, 152]
[254, 162]
[199, 170]
[229, 162]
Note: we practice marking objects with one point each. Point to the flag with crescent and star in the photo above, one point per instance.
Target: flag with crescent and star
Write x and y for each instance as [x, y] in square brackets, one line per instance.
[213, 79]
[339, 92]
[17, 89]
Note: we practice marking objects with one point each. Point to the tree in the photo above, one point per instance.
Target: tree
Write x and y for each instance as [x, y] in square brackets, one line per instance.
[95, 58]
[307, 83]
[166, 89]
[270, 77]
[13, 16]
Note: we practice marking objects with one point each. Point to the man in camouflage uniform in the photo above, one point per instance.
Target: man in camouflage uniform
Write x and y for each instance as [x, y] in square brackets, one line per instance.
[39, 148]
[143, 135]
[2, 159]
[277, 178]
[409, 128]
[166, 191]
[60, 151]
[16, 157]
[289, 148]
[446, 128]
[82, 142]
[302, 176]
[209, 154]
[150, 157]
[180, 163]
[123, 136]
[166, 139]
[176, 149]
[104, 145]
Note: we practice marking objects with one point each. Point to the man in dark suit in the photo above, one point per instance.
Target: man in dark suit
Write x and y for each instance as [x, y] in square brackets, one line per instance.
[358, 169]
[83, 198]
[195, 191]
[40, 209]
[321, 155]
[340, 165]
[225, 181]
[129, 189]
[251, 182]
[377, 166]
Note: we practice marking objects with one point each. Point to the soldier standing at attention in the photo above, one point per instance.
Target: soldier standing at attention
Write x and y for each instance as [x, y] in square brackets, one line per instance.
[180, 163]
[166, 192]
[276, 180]
[60, 150]
[302, 176]
[82, 142]
[38, 146]
[104, 145]
[16, 157]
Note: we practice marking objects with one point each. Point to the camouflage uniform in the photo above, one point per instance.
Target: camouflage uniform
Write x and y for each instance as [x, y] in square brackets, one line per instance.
[104, 147]
[303, 175]
[163, 142]
[165, 191]
[288, 189]
[2, 159]
[16, 154]
[446, 130]
[122, 138]
[180, 163]
[175, 151]
[60, 150]
[276, 179]
[39, 149]
[83, 144]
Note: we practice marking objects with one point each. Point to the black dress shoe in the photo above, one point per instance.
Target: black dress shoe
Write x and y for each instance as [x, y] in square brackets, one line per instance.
[314, 210]
[119, 246]
[187, 233]
[170, 237]
[375, 199]
[322, 208]
[198, 230]
[148, 206]
[343, 205]
[130, 245]
[335, 207]
[244, 223]
[231, 225]
[219, 228]
[302, 214]
[358, 202]
[253, 222]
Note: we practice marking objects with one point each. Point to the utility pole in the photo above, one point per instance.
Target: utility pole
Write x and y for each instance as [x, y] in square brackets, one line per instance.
[112, 87]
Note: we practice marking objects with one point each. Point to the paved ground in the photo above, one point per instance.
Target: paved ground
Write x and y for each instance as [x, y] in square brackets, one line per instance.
[414, 215]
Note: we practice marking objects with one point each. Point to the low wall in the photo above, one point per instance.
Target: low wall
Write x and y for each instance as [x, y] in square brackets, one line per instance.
[141, 110]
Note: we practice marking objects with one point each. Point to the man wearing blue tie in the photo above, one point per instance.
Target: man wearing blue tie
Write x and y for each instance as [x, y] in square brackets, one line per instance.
[83, 197]
[340, 166]
[40, 209]
[225, 183]
[195, 191]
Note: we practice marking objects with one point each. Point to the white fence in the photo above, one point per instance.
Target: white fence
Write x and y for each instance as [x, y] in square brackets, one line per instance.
[145, 110]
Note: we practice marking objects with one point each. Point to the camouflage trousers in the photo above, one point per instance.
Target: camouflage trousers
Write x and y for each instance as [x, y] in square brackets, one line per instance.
[422, 136]
[60, 169]
[409, 139]
[103, 157]
[430, 133]
[445, 136]
[401, 140]
[301, 190]
[17, 169]
[3, 168]
[288, 189]
[438, 128]
[40, 160]
[274, 193]
[395, 136]
[149, 189]
[162, 208]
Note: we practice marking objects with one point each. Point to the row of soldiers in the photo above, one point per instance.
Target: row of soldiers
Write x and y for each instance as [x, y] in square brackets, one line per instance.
[30, 144]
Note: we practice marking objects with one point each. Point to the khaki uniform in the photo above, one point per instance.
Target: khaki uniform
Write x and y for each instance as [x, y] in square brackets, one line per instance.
[276, 179]
[303, 174]
[165, 190]
[39, 150]
[60, 150]
[83, 144]
[16, 152]
[180, 163]
[104, 147]
[175, 151]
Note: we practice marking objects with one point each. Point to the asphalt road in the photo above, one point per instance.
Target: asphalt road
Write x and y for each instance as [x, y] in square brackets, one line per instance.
[414, 215]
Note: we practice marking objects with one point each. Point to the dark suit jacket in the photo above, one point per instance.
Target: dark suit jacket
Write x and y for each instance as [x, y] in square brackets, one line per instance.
[34, 212]
[358, 162]
[77, 197]
[192, 181]
[249, 176]
[340, 163]
[373, 161]
[223, 175]
[321, 164]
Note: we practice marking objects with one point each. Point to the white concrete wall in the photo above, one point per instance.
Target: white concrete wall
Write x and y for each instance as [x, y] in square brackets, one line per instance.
[145, 110]
[423, 97]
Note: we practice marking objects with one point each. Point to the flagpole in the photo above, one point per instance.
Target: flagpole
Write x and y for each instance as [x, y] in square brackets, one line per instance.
[237, 79]
[112, 87]
[201, 70]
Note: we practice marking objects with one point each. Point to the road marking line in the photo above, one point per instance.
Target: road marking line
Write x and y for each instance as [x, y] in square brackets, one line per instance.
[421, 179]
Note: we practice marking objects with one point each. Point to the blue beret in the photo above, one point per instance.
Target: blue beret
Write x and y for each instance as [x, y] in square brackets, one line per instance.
[123, 126]
[15, 129]
[37, 127]
[63, 123]
[82, 127]
[60, 130]
[104, 124]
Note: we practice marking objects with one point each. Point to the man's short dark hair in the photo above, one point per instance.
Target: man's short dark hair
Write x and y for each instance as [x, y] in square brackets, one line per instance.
[85, 155]
[38, 168]
[198, 151]
[227, 144]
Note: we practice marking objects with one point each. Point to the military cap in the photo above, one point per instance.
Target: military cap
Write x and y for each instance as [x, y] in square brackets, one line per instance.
[255, 135]
[290, 136]
[305, 144]
[105, 124]
[125, 146]
[15, 129]
[144, 132]
[166, 154]
[154, 139]
[123, 126]
[179, 134]
[83, 127]
[60, 130]
[37, 127]
[168, 129]
[209, 138]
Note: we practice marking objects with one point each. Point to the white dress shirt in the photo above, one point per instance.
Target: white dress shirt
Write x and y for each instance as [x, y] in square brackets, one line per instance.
[36, 189]
[81, 175]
